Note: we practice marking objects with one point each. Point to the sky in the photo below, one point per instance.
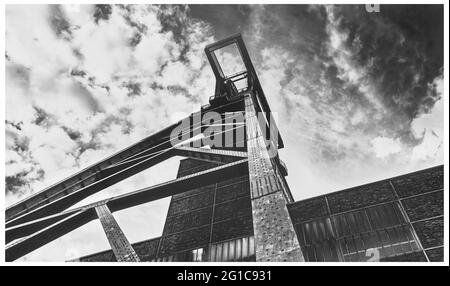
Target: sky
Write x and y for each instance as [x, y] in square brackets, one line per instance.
[358, 95]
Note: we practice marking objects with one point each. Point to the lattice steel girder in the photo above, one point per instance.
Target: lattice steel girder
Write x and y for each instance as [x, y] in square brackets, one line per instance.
[48, 234]
[121, 247]
[261, 104]
[275, 237]
[156, 142]
[135, 198]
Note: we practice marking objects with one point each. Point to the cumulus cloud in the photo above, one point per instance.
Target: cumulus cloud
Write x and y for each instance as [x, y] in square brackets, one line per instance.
[429, 128]
[358, 95]
[79, 82]
[341, 80]
[383, 146]
[83, 83]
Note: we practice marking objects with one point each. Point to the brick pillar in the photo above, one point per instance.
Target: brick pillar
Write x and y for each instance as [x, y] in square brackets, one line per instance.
[122, 249]
[275, 237]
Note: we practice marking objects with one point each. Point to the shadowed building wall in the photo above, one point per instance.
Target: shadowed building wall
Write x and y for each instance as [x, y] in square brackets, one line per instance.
[212, 223]
[397, 219]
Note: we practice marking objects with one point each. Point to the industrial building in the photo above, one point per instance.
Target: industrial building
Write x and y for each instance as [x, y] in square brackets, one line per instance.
[231, 201]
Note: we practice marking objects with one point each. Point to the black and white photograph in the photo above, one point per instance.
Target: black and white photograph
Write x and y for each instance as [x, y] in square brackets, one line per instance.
[226, 134]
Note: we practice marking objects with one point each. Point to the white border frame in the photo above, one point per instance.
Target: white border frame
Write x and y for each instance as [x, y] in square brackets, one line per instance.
[446, 134]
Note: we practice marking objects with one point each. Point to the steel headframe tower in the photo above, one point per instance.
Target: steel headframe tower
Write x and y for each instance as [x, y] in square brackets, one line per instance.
[46, 215]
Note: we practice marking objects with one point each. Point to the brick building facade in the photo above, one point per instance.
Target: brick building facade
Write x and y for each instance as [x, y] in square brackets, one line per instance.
[397, 219]
[231, 201]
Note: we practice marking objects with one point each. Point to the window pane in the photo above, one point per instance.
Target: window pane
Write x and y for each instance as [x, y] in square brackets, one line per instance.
[362, 222]
[225, 251]
[212, 253]
[219, 256]
[245, 247]
[231, 254]
[230, 60]
[374, 218]
[238, 249]
[368, 234]
[251, 246]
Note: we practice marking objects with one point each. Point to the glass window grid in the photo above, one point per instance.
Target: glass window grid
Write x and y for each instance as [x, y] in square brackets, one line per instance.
[240, 249]
[368, 234]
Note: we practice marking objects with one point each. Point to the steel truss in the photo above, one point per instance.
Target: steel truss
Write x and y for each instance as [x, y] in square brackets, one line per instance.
[46, 215]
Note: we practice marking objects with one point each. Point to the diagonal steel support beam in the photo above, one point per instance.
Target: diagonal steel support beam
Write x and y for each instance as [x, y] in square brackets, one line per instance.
[108, 171]
[177, 186]
[34, 226]
[156, 142]
[70, 199]
[121, 247]
[48, 234]
[111, 176]
[83, 178]
[210, 155]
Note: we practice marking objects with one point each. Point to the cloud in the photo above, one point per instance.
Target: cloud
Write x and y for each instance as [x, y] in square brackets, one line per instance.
[383, 146]
[350, 88]
[429, 128]
[358, 95]
[83, 83]
[79, 83]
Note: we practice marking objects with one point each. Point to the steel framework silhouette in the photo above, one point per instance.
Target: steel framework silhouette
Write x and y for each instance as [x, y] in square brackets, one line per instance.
[46, 215]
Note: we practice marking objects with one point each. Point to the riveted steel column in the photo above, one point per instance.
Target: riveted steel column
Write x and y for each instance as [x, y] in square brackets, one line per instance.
[122, 249]
[275, 237]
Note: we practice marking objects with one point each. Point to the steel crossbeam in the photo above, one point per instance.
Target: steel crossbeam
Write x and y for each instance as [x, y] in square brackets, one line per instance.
[41, 230]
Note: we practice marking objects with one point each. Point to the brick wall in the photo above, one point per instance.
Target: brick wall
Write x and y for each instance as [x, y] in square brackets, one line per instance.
[196, 218]
[422, 196]
[419, 194]
[206, 215]
[222, 211]
[362, 196]
[308, 209]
